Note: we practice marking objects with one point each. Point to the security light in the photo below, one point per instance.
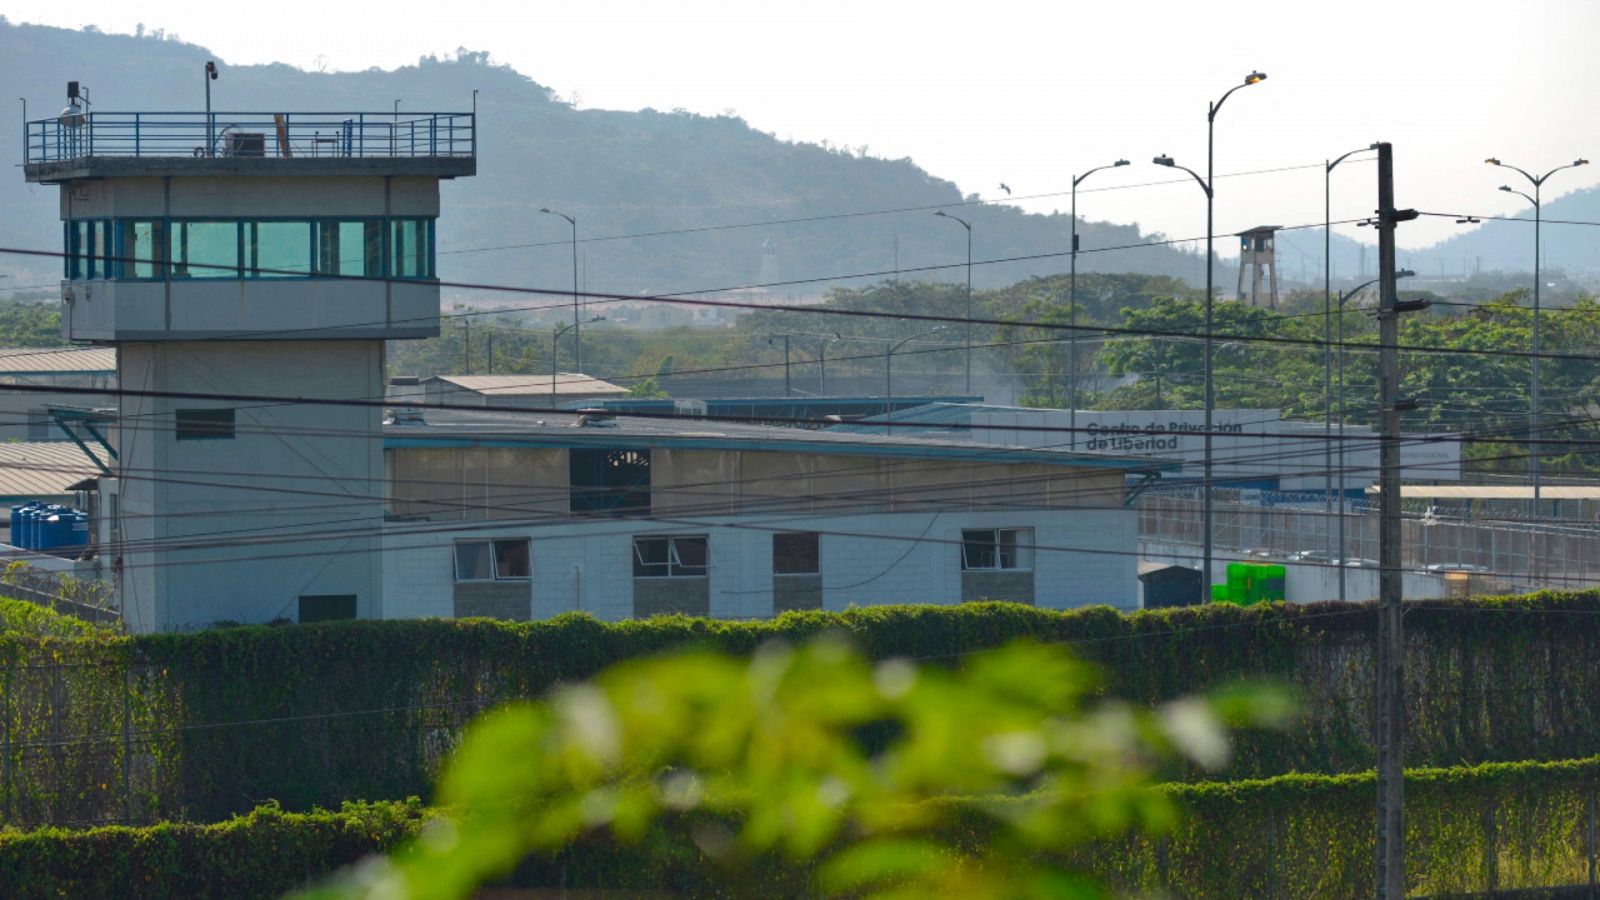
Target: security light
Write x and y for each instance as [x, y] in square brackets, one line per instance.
[1255, 77]
[1164, 161]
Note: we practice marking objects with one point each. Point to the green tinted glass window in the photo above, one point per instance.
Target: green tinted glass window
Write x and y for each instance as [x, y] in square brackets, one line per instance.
[350, 248]
[80, 249]
[278, 249]
[410, 249]
[205, 249]
[142, 249]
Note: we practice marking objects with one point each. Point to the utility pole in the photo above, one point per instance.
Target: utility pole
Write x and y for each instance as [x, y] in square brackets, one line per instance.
[788, 391]
[466, 346]
[1391, 877]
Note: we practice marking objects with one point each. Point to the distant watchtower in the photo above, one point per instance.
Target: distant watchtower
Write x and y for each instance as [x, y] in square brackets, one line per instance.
[234, 255]
[769, 262]
[1258, 266]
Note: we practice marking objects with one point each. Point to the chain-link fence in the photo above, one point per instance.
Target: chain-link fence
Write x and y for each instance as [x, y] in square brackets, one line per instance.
[1291, 526]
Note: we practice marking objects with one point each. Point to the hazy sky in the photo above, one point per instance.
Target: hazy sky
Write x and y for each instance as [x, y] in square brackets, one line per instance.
[1025, 93]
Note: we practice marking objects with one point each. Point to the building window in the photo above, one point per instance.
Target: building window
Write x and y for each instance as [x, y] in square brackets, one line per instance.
[411, 248]
[143, 249]
[612, 482]
[671, 556]
[350, 249]
[204, 424]
[327, 607]
[278, 249]
[498, 560]
[796, 554]
[88, 249]
[204, 249]
[996, 548]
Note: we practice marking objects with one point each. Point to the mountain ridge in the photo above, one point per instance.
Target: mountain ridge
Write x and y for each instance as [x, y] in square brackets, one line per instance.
[724, 192]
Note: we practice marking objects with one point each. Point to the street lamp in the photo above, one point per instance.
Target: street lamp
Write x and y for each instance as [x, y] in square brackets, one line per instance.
[1207, 184]
[1072, 308]
[1327, 336]
[1538, 219]
[968, 226]
[888, 372]
[1343, 298]
[822, 364]
[211, 138]
[787, 390]
[577, 337]
[554, 337]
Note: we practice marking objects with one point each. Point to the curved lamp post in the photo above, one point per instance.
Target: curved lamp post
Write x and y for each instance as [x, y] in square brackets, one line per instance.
[1538, 219]
[1207, 185]
[1327, 338]
[968, 226]
[1072, 308]
[577, 337]
[1343, 299]
[554, 337]
[888, 372]
[822, 364]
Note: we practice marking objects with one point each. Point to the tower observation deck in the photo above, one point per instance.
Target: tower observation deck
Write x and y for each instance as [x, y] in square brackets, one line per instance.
[237, 254]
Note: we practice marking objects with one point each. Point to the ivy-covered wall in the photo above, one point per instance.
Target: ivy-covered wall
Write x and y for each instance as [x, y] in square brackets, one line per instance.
[102, 728]
[1469, 830]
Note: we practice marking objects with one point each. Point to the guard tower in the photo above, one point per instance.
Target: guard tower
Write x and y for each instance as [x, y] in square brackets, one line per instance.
[236, 256]
[1258, 266]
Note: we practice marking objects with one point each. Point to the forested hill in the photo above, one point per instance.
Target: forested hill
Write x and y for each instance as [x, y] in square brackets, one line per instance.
[620, 173]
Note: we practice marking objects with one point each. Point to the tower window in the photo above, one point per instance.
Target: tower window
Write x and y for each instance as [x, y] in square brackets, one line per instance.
[204, 249]
[350, 249]
[143, 251]
[204, 424]
[278, 249]
[411, 248]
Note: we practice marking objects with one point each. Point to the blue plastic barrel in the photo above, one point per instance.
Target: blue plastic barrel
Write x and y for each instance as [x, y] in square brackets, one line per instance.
[30, 521]
[53, 527]
[16, 523]
[79, 537]
[53, 531]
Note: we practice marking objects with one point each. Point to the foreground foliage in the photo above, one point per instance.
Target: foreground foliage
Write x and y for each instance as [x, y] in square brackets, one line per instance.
[773, 757]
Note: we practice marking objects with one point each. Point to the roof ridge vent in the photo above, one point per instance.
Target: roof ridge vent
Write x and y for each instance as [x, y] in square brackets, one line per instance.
[596, 418]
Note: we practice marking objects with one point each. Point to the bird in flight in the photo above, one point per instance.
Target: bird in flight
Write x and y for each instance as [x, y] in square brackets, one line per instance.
[1005, 187]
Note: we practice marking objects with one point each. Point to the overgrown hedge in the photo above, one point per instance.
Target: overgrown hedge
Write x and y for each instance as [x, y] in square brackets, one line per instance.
[1470, 829]
[200, 726]
[19, 618]
[261, 854]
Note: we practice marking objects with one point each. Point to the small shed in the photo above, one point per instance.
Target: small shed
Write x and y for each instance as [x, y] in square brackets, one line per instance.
[1168, 585]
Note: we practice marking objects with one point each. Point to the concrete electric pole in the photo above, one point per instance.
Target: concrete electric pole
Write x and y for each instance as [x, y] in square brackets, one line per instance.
[1391, 877]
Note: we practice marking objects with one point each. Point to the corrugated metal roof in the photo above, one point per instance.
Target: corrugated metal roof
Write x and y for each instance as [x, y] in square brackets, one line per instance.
[462, 428]
[1496, 491]
[58, 361]
[41, 469]
[531, 385]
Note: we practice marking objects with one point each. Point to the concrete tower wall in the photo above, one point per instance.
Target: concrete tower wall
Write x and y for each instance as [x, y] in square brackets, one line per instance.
[238, 529]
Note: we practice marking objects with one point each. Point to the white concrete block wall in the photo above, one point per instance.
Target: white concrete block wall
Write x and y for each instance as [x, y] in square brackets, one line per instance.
[1084, 557]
